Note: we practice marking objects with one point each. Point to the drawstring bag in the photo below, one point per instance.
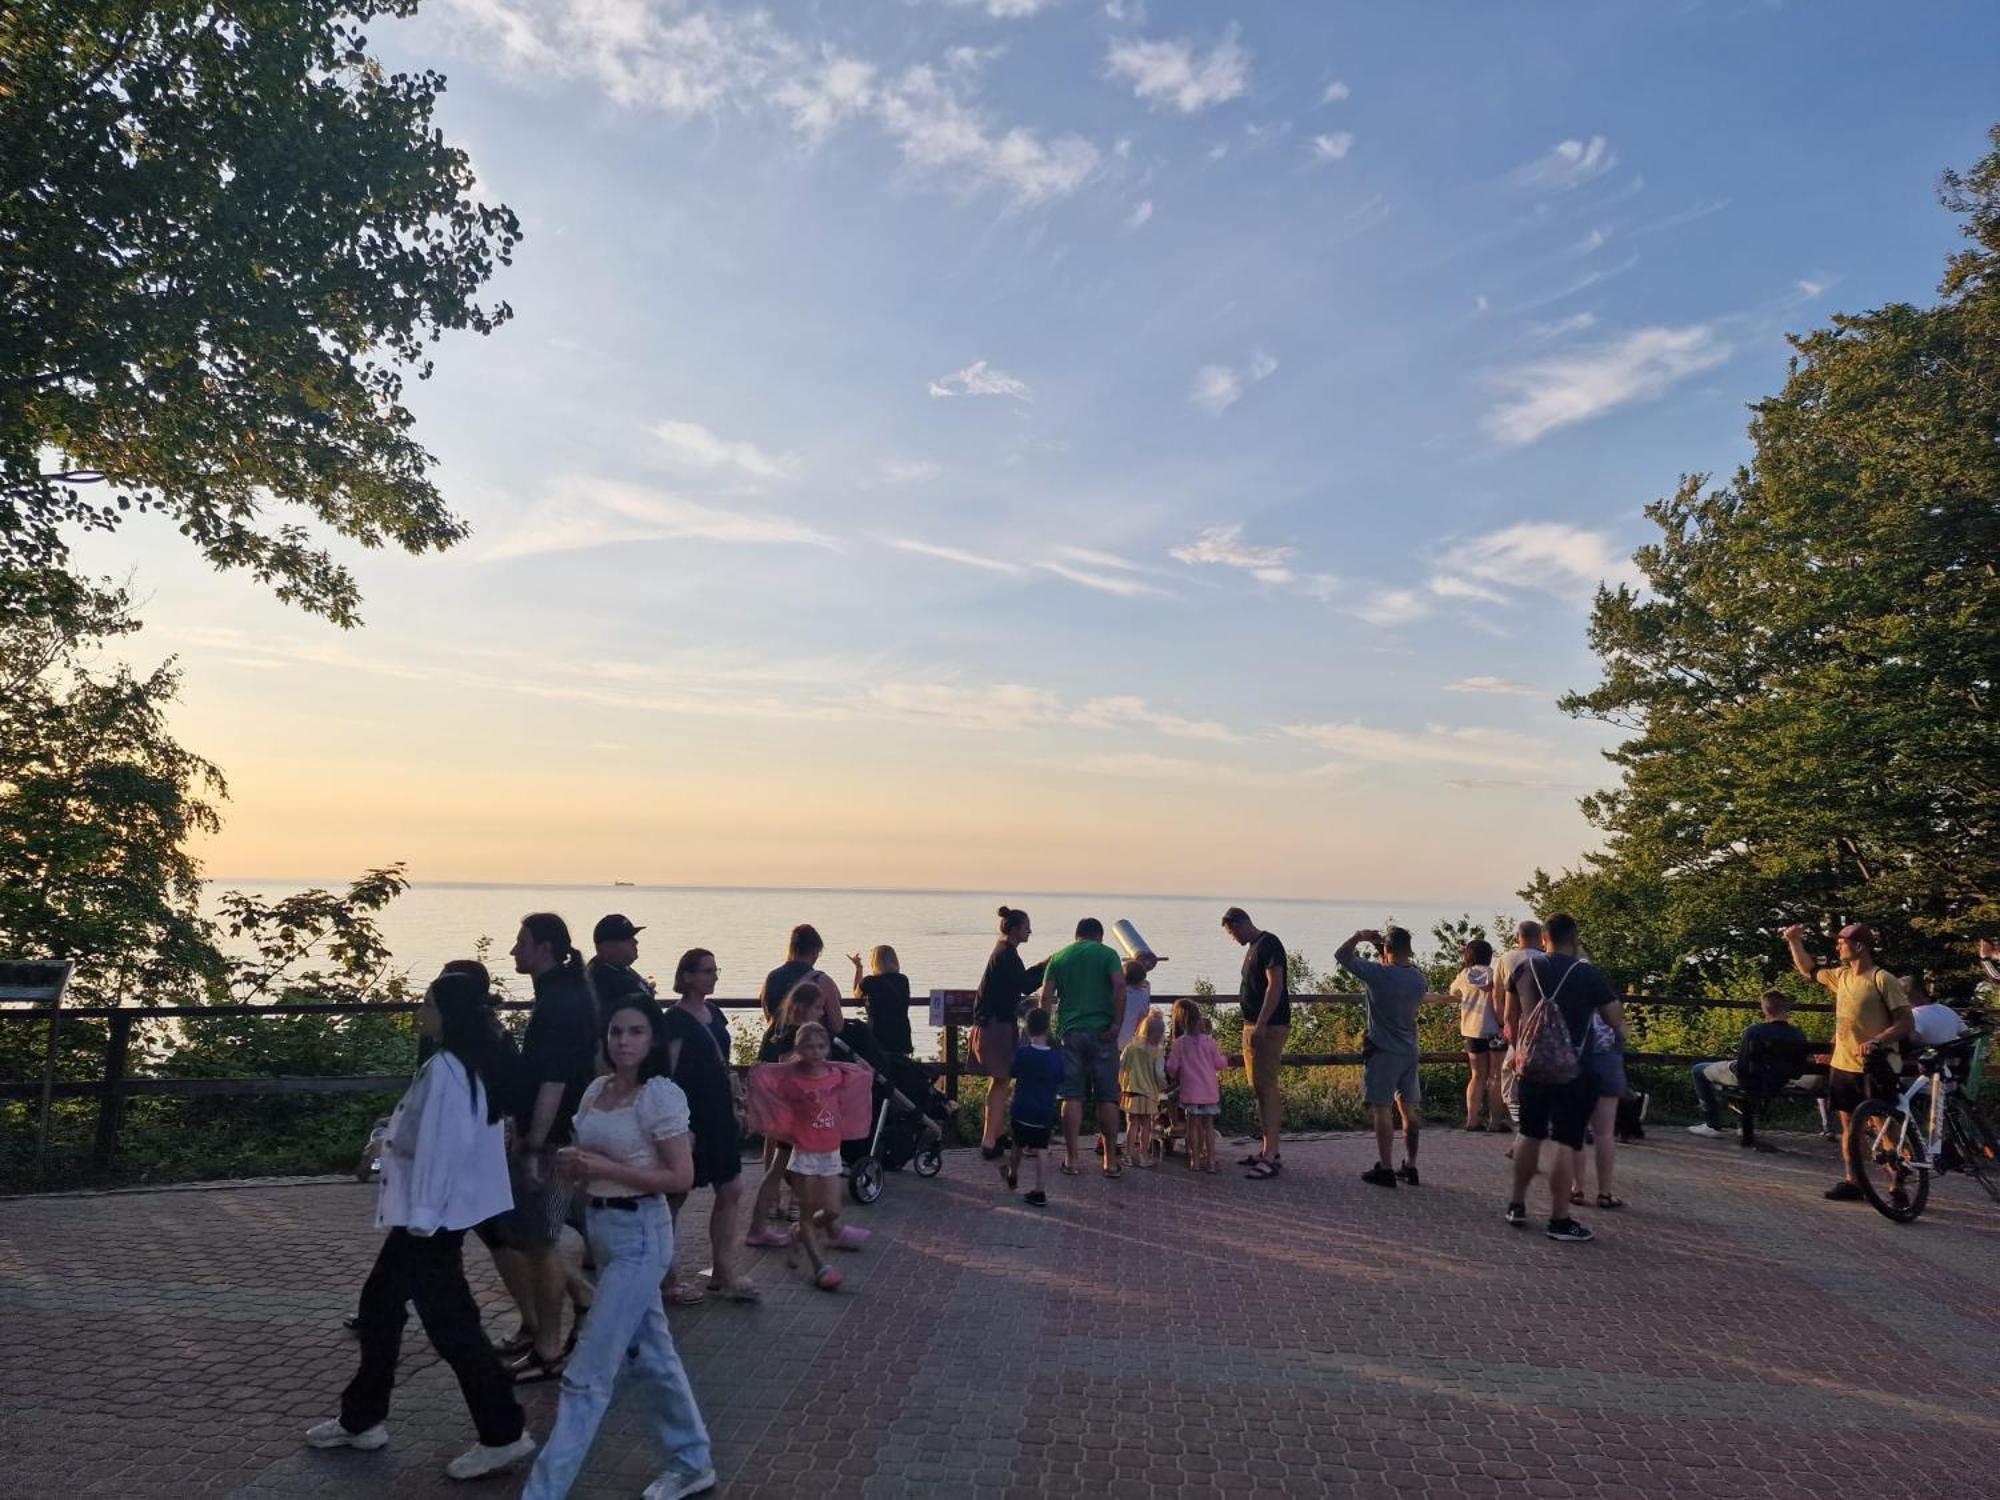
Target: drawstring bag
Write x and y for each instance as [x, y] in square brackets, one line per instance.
[1544, 1052]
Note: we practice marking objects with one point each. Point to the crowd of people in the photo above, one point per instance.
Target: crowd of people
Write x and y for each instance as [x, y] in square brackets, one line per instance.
[614, 1107]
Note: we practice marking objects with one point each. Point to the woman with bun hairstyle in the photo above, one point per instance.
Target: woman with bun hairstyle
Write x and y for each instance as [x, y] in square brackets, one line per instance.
[996, 1014]
[697, 1048]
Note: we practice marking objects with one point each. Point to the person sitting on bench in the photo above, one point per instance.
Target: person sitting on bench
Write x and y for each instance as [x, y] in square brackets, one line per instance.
[1772, 1054]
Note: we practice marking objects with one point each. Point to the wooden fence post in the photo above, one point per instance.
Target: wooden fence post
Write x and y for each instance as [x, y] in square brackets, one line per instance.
[111, 1103]
[951, 1061]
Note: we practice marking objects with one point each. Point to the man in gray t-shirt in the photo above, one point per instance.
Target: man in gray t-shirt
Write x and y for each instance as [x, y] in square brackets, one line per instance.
[1396, 990]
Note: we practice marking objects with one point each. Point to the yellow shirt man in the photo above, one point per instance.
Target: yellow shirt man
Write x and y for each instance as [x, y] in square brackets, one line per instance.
[1863, 1006]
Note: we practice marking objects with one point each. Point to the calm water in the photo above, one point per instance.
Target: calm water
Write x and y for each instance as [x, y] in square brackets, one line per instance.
[942, 938]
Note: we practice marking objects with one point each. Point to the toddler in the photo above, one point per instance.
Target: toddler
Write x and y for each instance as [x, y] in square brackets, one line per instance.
[1038, 1073]
[1141, 1080]
[1194, 1062]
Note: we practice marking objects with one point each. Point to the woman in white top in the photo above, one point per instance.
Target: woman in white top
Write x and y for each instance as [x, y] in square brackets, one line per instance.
[1479, 1029]
[632, 1149]
[444, 1169]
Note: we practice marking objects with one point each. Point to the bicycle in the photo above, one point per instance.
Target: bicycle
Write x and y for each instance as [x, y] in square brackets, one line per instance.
[1900, 1151]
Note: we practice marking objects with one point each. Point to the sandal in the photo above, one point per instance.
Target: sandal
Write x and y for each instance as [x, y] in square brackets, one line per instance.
[1265, 1169]
[1067, 1170]
[1009, 1176]
[1250, 1161]
[735, 1291]
[685, 1294]
[515, 1347]
[1112, 1174]
[1576, 1197]
[1610, 1200]
[532, 1369]
[827, 1279]
[767, 1239]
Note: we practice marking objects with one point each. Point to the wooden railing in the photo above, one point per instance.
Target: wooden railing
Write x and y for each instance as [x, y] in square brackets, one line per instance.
[116, 1083]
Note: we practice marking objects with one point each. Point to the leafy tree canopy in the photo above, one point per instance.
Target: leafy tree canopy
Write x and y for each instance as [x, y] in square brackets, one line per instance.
[1808, 676]
[226, 235]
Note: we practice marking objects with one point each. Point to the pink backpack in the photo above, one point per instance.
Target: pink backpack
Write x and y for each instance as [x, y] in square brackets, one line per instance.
[1544, 1053]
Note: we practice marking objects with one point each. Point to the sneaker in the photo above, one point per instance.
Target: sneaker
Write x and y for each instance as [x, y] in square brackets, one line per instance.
[1035, 1198]
[1703, 1130]
[330, 1434]
[1408, 1172]
[477, 1463]
[677, 1483]
[1843, 1192]
[852, 1237]
[1379, 1176]
[1568, 1232]
[1517, 1214]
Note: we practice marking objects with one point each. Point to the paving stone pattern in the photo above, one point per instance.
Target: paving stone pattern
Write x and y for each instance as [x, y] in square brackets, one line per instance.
[1730, 1334]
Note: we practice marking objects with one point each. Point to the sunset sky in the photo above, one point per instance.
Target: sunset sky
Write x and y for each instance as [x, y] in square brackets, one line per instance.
[1048, 444]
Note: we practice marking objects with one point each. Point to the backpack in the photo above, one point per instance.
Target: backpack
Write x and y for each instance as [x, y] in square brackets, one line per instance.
[1544, 1052]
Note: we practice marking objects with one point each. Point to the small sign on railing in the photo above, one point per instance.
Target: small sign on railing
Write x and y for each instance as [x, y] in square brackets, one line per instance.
[952, 1007]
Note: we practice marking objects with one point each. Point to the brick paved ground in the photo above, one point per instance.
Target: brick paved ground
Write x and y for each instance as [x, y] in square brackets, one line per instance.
[1728, 1335]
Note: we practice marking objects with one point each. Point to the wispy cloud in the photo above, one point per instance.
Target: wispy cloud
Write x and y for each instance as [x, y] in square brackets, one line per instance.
[1564, 389]
[1141, 212]
[954, 555]
[1218, 387]
[1124, 711]
[937, 130]
[1005, 10]
[895, 470]
[1005, 707]
[1809, 290]
[1594, 277]
[981, 379]
[1567, 164]
[1452, 586]
[1435, 745]
[1335, 92]
[1332, 147]
[1596, 240]
[1569, 561]
[1388, 608]
[582, 513]
[1503, 687]
[1091, 557]
[1687, 215]
[693, 446]
[1224, 546]
[1177, 74]
[1105, 583]
[1563, 327]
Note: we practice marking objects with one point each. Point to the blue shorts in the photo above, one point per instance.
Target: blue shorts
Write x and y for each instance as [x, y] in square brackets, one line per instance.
[1090, 1066]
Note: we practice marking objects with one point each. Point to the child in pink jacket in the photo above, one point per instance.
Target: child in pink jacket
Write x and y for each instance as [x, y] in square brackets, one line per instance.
[1195, 1063]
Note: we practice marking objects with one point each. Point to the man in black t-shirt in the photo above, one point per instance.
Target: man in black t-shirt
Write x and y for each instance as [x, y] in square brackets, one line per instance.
[1267, 1020]
[610, 970]
[1772, 1053]
[1559, 1111]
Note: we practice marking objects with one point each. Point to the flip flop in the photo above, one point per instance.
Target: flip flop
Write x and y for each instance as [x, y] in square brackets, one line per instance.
[737, 1291]
[533, 1369]
[1114, 1173]
[1067, 1170]
[685, 1294]
[1610, 1200]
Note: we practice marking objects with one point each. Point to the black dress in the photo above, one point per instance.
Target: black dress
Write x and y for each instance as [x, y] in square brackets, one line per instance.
[887, 998]
[703, 1075]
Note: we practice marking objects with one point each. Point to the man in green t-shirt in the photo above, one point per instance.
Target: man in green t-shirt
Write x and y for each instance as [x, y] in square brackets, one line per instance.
[1870, 1015]
[1084, 984]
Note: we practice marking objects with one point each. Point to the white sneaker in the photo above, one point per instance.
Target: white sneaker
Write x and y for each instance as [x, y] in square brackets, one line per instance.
[1703, 1130]
[675, 1483]
[477, 1463]
[330, 1434]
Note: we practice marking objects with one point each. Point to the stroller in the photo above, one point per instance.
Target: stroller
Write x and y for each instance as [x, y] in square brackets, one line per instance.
[909, 1113]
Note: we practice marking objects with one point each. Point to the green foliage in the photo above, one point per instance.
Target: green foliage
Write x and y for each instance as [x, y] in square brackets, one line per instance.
[226, 235]
[1808, 680]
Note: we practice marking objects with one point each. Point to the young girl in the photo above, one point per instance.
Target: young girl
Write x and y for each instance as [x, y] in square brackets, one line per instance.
[444, 1169]
[632, 1149]
[885, 993]
[1195, 1062]
[802, 1004]
[813, 1105]
[1141, 1081]
[1138, 1001]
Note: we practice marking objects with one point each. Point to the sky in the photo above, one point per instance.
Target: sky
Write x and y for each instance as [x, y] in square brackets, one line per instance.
[1139, 447]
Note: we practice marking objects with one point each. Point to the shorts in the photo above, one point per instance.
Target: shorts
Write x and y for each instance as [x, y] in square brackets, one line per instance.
[1200, 1111]
[1607, 1067]
[542, 1205]
[1478, 1044]
[1090, 1066]
[1558, 1111]
[993, 1047]
[814, 1163]
[1030, 1137]
[1387, 1075]
[1140, 1106]
[1846, 1091]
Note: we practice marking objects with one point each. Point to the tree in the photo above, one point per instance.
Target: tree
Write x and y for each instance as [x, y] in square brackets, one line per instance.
[226, 234]
[1809, 677]
[97, 801]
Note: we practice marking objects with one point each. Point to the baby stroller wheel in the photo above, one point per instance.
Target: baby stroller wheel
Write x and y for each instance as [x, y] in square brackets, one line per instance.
[864, 1180]
[928, 1162]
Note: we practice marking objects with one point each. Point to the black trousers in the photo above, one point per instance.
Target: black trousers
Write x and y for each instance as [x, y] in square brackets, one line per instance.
[428, 1270]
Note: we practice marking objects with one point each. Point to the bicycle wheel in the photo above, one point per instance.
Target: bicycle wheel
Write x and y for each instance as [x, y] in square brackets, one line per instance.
[1978, 1150]
[1888, 1143]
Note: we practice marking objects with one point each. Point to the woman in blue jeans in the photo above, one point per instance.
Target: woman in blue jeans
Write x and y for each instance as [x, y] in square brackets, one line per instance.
[632, 1149]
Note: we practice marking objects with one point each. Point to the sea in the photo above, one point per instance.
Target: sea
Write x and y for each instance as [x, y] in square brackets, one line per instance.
[941, 938]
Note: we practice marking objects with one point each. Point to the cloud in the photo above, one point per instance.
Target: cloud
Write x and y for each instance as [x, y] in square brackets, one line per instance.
[1173, 72]
[1582, 283]
[1809, 289]
[582, 513]
[1561, 559]
[1332, 147]
[1335, 92]
[1567, 164]
[1103, 583]
[937, 130]
[1005, 10]
[981, 379]
[1091, 557]
[1594, 241]
[1687, 215]
[1565, 389]
[825, 95]
[1125, 711]
[1140, 214]
[693, 446]
[895, 470]
[1003, 707]
[1392, 607]
[1435, 745]
[1504, 687]
[1218, 387]
[1563, 327]
[1224, 546]
[1451, 586]
[954, 555]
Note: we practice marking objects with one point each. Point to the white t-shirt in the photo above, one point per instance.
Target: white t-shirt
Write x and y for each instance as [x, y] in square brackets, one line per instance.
[1477, 1013]
[658, 1112]
[1504, 967]
[1933, 1025]
[1138, 1000]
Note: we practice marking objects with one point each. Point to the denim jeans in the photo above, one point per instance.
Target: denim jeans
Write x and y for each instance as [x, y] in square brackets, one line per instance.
[634, 1250]
[1708, 1077]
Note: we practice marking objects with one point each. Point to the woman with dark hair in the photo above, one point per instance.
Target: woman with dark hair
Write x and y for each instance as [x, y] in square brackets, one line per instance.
[1479, 1030]
[632, 1152]
[697, 1046]
[444, 1169]
[996, 1015]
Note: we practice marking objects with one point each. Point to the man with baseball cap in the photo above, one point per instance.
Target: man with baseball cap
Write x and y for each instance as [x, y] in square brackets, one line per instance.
[610, 972]
[1870, 1016]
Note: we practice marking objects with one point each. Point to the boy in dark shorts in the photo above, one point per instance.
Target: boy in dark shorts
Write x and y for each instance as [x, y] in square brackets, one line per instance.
[1038, 1073]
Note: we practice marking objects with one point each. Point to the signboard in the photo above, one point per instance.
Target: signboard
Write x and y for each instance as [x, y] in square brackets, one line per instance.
[951, 1007]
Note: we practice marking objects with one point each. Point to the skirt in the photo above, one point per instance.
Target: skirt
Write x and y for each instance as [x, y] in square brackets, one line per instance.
[993, 1047]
